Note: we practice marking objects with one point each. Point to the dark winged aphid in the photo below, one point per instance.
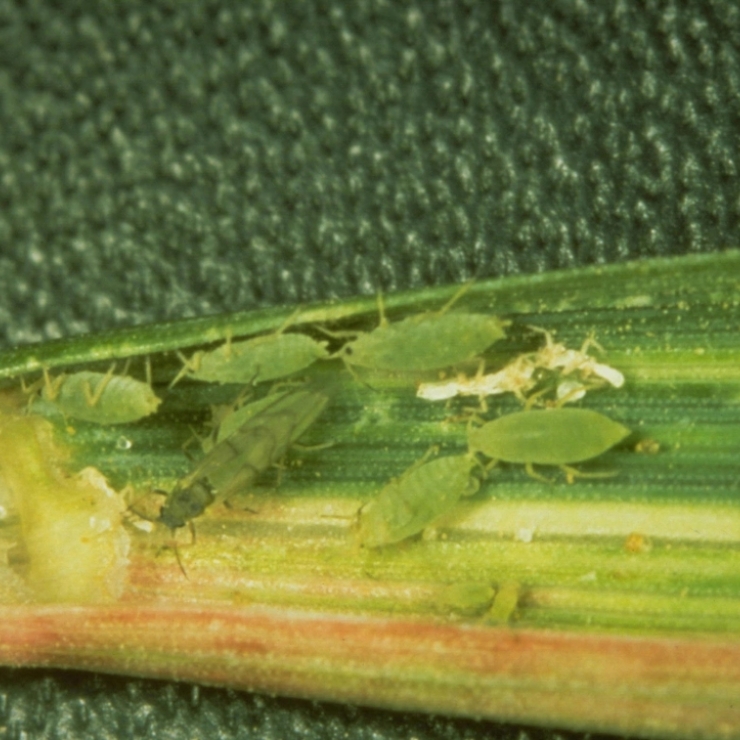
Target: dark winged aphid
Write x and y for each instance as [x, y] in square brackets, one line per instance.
[234, 463]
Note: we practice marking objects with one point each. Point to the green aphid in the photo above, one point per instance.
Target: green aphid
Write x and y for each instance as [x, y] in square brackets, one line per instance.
[103, 398]
[428, 341]
[505, 603]
[255, 360]
[234, 463]
[412, 502]
[550, 437]
[466, 597]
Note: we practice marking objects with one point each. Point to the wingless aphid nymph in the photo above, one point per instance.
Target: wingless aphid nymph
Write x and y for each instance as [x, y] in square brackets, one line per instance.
[551, 437]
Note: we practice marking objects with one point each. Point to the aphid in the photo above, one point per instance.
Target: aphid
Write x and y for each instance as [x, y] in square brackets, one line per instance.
[427, 341]
[505, 603]
[412, 502]
[255, 360]
[550, 437]
[466, 597]
[103, 398]
[234, 463]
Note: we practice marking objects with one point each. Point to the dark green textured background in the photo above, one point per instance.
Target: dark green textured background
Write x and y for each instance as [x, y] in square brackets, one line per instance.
[166, 159]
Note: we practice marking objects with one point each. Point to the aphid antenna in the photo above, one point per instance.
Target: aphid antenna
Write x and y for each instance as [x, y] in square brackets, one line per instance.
[289, 321]
[433, 451]
[177, 552]
[464, 288]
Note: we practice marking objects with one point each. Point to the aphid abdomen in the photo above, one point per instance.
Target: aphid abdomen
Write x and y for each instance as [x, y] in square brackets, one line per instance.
[550, 437]
[259, 359]
[123, 399]
[407, 505]
[425, 342]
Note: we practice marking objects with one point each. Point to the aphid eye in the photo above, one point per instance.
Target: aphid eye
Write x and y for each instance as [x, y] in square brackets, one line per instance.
[347, 349]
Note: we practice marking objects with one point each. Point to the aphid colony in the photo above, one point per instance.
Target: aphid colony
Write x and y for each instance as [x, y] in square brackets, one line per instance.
[248, 439]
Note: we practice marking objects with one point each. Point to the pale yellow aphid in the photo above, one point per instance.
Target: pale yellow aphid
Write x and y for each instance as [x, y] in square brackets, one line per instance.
[102, 398]
[235, 461]
[505, 603]
[521, 375]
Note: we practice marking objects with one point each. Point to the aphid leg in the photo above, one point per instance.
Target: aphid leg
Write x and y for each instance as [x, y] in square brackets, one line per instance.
[477, 378]
[201, 440]
[382, 321]
[91, 397]
[572, 473]
[227, 345]
[187, 366]
[354, 375]
[485, 467]
[52, 386]
[148, 370]
[312, 448]
[31, 391]
[533, 399]
[529, 467]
